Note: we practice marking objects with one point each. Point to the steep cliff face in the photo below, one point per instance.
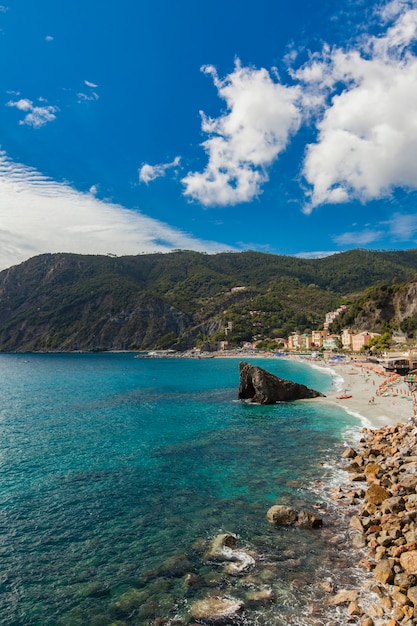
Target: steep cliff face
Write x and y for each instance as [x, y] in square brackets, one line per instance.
[384, 308]
[405, 302]
[96, 326]
[66, 303]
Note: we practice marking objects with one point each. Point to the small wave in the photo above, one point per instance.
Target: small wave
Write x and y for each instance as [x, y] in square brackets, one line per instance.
[337, 380]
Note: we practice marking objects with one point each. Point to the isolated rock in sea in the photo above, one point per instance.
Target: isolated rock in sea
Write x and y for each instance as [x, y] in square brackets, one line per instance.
[262, 387]
[281, 514]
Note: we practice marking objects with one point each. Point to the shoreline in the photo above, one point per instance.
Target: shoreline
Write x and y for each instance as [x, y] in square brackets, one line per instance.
[378, 498]
[375, 397]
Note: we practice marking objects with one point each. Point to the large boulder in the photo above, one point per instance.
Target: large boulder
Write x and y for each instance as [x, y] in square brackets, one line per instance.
[280, 514]
[262, 387]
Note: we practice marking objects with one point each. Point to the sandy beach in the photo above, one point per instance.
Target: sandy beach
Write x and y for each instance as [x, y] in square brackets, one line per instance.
[374, 396]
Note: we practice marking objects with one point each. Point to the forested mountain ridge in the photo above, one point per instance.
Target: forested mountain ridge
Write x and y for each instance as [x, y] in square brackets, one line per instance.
[64, 302]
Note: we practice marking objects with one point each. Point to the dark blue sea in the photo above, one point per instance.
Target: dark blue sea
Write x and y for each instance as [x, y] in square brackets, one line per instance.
[116, 472]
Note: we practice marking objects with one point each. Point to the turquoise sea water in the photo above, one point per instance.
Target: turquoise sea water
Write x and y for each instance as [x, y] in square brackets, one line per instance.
[115, 473]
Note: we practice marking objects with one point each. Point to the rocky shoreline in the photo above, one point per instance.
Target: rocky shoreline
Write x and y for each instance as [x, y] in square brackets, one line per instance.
[381, 499]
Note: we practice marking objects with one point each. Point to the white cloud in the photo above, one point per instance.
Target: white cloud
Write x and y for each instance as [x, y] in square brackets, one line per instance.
[316, 254]
[148, 173]
[261, 116]
[367, 136]
[400, 227]
[403, 227]
[36, 116]
[358, 238]
[88, 97]
[49, 38]
[38, 215]
[83, 97]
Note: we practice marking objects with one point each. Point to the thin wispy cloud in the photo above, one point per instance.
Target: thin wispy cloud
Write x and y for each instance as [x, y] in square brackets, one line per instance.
[91, 96]
[148, 173]
[34, 115]
[398, 228]
[358, 238]
[87, 97]
[38, 215]
[403, 227]
[90, 84]
[317, 254]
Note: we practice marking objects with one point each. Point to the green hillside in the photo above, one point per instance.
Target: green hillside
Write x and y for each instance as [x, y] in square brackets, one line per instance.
[81, 302]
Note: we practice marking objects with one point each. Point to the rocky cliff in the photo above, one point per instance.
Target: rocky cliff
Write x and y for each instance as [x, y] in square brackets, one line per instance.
[389, 308]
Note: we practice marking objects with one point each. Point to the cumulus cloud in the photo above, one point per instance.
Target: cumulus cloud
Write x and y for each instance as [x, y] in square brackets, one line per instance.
[148, 173]
[360, 101]
[38, 215]
[36, 116]
[261, 116]
[367, 134]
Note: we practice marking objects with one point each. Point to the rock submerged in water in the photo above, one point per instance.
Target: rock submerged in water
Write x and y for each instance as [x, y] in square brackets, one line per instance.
[223, 548]
[262, 387]
[217, 610]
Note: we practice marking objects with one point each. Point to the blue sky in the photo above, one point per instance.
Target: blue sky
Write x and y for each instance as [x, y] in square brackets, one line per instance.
[136, 127]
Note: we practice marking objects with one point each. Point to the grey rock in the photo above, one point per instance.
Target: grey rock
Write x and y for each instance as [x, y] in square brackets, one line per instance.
[262, 387]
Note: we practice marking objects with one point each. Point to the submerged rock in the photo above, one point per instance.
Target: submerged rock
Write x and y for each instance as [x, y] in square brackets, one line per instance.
[223, 548]
[261, 598]
[262, 387]
[129, 602]
[217, 610]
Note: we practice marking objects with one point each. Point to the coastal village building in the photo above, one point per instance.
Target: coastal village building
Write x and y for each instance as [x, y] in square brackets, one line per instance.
[331, 342]
[298, 341]
[346, 339]
[317, 337]
[352, 342]
[306, 341]
[321, 339]
[294, 341]
[362, 339]
[331, 316]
